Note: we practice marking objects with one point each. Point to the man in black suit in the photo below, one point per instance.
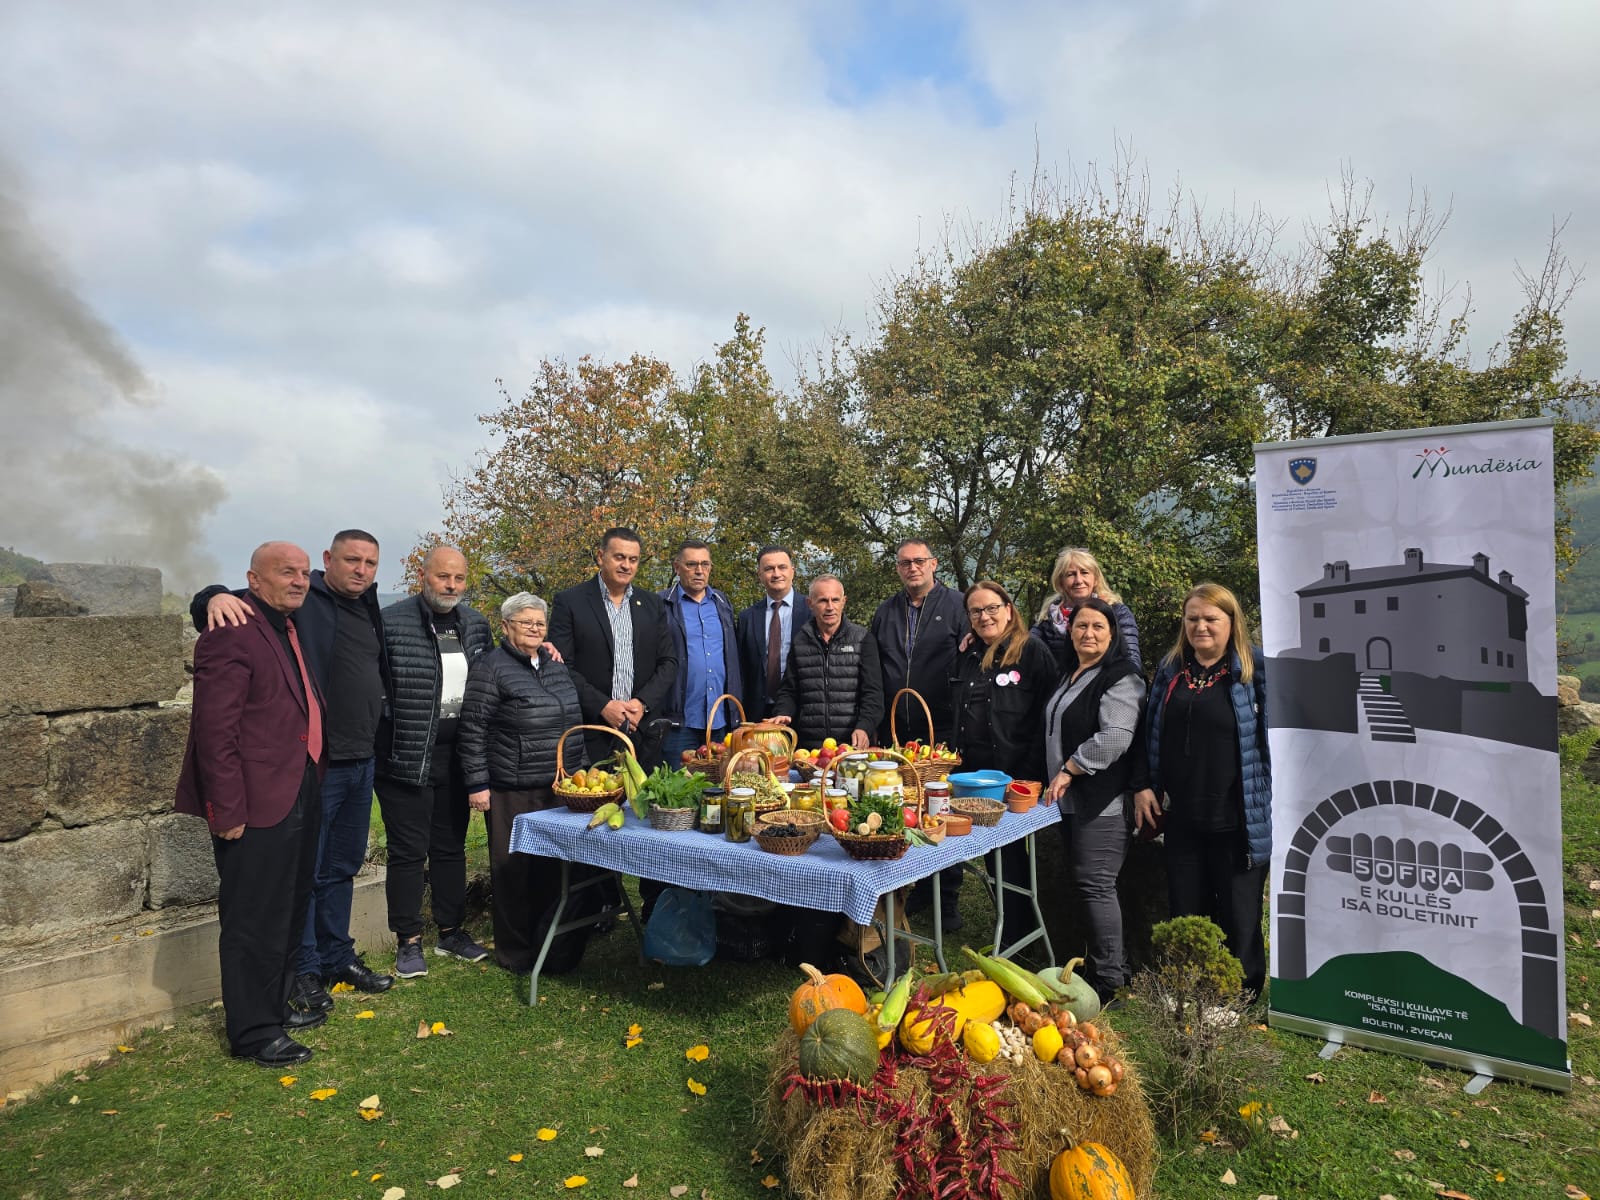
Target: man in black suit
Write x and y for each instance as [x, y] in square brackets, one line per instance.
[761, 664]
[615, 640]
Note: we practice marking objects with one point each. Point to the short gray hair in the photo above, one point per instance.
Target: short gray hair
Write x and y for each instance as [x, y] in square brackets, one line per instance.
[522, 600]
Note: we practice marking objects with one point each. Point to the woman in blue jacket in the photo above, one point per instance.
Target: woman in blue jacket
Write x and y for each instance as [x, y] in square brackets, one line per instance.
[1209, 787]
[1076, 576]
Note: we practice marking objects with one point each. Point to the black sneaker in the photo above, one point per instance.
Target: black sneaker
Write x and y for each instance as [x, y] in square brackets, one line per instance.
[408, 960]
[308, 995]
[360, 976]
[458, 943]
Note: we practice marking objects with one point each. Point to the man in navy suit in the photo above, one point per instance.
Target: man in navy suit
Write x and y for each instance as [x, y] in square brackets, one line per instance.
[761, 669]
[252, 770]
[615, 640]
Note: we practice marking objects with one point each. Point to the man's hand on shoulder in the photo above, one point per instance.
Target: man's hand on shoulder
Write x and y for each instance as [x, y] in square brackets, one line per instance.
[227, 609]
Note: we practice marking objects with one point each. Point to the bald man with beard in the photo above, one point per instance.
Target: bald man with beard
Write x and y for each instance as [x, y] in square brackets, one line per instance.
[429, 640]
[252, 769]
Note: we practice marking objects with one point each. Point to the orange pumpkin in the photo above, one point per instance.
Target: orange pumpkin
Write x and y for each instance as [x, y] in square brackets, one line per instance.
[821, 992]
[1089, 1171]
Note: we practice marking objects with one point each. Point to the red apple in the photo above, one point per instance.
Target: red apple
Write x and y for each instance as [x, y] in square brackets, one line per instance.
[910, 814]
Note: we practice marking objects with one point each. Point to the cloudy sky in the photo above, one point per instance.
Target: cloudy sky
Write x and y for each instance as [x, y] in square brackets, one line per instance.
[260, 265]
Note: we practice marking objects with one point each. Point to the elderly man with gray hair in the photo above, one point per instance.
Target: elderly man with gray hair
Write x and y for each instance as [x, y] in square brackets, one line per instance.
[517, 704]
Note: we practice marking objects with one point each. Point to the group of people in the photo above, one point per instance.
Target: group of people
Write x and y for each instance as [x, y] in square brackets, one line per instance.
[308, 698]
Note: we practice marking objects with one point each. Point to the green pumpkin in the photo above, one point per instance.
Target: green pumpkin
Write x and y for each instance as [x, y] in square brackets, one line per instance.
[839, 1044]
[1082, 1000]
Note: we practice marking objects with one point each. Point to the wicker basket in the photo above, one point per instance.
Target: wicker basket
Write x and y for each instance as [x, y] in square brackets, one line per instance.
[801, 817]
[786, 844]
[586, 801]
[733, 765]
[925, 771]
[672, 820]
[909, 780]
[978, 809]
[873, 847]
[711, 762]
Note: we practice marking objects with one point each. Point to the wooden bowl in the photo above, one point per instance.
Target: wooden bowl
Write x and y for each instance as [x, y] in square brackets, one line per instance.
[956, 825]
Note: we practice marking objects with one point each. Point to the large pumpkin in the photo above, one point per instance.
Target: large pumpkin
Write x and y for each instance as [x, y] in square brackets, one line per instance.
[1089, 1171]
[820, 993]
[839, 1044]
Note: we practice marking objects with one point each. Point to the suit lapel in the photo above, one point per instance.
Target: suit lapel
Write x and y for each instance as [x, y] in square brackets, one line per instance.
[598, 603]
[291, 673]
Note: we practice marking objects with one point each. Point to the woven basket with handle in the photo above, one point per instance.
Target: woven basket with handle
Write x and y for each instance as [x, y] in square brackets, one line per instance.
[926, 771]
[585, 801]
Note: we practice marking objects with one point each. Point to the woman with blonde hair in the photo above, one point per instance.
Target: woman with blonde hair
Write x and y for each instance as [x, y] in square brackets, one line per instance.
[1207, 785]
[1076, 576]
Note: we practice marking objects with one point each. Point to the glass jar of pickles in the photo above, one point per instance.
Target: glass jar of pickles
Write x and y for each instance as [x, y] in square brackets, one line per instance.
[806, 797]
[852, 770]
[834, 798]
[883, 779]
[739, 813]
[711, 801]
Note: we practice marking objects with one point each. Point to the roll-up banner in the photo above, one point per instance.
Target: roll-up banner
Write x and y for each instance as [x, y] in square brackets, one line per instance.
[1409, 624]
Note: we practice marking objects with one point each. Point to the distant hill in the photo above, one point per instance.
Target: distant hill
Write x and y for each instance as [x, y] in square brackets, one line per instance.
[14, 567]
[1578, 595]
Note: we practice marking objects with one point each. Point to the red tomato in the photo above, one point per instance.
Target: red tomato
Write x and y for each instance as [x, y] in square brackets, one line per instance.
[840, 818]
[910, 814]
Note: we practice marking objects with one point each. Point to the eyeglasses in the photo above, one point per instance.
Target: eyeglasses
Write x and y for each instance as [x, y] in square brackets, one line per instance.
[913, 562]
[531, 623]
[988, 610]
[704, 565]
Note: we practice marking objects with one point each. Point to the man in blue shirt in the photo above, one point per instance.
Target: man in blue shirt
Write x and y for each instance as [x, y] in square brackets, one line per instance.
[700, 620]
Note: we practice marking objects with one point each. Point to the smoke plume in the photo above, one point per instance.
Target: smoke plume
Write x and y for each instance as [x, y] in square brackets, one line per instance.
[69, 490]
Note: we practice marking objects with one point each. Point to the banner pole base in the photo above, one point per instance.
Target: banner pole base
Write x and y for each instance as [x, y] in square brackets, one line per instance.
[1329, 1049]
[1477, 1083]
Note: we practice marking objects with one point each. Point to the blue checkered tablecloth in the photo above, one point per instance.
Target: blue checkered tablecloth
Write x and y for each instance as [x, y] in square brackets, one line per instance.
[823, 878]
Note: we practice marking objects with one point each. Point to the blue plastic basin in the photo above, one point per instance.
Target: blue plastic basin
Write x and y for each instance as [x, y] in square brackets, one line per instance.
[991, 785]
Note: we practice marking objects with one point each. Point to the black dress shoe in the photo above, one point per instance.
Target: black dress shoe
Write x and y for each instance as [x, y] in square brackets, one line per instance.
[304, 1018]
[308, 995]
[361, 977]
[280, 1052]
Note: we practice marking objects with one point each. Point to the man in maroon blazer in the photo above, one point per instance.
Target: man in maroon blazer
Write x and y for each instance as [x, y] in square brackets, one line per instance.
[252, 771]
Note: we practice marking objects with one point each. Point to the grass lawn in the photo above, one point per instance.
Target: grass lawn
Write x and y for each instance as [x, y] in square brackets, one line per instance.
[174, 1117]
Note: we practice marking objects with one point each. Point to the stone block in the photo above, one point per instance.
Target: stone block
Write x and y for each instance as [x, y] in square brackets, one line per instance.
[50, 665]
[41, 598]
[183, 869]
[8, 601]
[106, 589]
[59, 878]
[1575, 718]
[115, 764]
[24, 764]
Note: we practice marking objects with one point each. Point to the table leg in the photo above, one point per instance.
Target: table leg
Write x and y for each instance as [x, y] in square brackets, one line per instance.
[557, 925]
[550, 934]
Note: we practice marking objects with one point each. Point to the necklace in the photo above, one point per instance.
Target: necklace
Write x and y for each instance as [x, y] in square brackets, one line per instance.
[1206, 677]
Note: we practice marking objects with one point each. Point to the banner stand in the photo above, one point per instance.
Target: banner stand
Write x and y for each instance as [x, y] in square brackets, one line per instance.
[1408, 623]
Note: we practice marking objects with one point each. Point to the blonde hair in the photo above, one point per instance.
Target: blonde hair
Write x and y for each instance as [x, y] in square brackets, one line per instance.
[1076, 555]
[1010, 643]
[1218, 596]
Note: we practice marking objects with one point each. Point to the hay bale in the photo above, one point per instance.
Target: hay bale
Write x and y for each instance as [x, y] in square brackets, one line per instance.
[843, 1154]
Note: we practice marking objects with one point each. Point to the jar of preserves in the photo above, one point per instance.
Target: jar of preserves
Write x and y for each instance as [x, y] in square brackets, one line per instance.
[806, 797]
[739, 815]
[936, 794]
[852, 770]
[711, 810]
[834, 798]
[883, 779]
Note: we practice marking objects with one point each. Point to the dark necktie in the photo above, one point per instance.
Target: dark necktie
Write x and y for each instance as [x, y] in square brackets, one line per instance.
[774, 649]
[313, 708]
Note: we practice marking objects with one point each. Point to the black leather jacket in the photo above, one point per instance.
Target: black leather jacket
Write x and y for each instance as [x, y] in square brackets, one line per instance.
[411, 717]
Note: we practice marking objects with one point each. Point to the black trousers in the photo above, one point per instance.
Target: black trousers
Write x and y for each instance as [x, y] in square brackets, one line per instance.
[264, 890]
[1206, 877]
[426, 826]
[524, 885]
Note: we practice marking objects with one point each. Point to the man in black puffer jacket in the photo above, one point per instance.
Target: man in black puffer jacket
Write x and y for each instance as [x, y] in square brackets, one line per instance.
[429, 641]
[518, 703]
[833, 685]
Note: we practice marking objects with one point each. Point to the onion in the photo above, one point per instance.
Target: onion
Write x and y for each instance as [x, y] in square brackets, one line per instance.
[1088, 1055]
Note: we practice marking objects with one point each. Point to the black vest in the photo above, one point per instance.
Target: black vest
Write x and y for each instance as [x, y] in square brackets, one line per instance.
[1090, 794]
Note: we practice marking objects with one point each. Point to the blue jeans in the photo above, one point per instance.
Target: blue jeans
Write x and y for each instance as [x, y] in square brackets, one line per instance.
[325, 944]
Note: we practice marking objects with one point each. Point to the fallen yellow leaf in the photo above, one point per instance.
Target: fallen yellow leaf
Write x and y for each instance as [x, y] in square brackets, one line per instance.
[514, 1157]
[1229, 1178]
[371, 1101]
[124, 1049]
[635, 1030]
[1376, 1097]
[630, 1043]
[370, 1114]
[593, 1151]
[73, 1100]
[632, 1181]
[108, 1112]
[340, 988]
[366, 1014]
[1249, 1110]
[376, 1177]
[575, 1181]
[695, 1086]
[771, 1181]
[697, 1053]
[1209, 1136]
[445, 1182]
[439, 1029]
[394, 1193]
[678, 1190]
[546, 1135]
[287, 1080]
[324, 1093]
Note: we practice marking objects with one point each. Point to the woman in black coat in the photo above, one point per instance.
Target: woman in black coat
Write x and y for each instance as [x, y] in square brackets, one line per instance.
[517, 704]
[1002, 680]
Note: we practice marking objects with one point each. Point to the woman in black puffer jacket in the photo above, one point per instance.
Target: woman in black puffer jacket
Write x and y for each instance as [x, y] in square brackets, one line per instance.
[517, 704]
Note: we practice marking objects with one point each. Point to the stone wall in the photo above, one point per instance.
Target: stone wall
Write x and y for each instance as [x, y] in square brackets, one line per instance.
[90, 747]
